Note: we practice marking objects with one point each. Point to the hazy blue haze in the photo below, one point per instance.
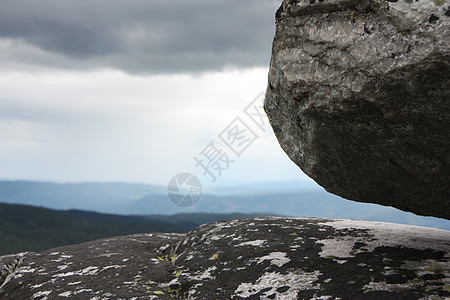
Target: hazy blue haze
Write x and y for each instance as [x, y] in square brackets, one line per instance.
[280, 198]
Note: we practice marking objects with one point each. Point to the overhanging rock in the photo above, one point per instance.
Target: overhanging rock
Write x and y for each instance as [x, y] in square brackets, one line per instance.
[359, 98]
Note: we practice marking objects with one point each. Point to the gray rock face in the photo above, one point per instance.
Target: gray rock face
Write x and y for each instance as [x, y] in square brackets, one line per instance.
[116, 268]
[359, 98]
[269, 258]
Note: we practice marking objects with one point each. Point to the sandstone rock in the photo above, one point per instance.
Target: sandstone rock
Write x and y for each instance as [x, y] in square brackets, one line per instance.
[359, 98]
[265, 258]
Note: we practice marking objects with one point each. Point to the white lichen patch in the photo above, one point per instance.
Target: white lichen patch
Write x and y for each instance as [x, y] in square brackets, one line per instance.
[218, 237]
[384, 286]
[82, 291]
[207, 274]
[255, 243]
[164, 248]
[388, 271]
[41, 294]
[42, 271]
[213, 234]
[37, 285]
[26, 269]
[62, 267]
[276, 258]
[111, 267]
[86, 271]
[296, 281]
[65, 294]
[189, 257]
[193, 291]
[392, 235]
[337, 247]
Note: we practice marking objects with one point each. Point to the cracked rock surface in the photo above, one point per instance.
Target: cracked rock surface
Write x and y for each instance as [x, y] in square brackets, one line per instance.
[263, 258]
[359, 98]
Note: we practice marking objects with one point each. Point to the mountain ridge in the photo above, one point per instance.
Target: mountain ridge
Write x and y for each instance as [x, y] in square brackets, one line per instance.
[30, 228]
[140, 199]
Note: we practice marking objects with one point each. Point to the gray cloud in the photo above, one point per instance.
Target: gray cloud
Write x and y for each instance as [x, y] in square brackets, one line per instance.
[137, 36]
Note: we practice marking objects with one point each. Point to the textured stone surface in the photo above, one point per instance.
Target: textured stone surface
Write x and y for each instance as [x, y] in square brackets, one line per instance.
[114, 268]
[266, 258]
[359, 98]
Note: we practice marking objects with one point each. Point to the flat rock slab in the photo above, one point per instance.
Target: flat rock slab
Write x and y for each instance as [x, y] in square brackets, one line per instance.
[359, 98]
[264, 258]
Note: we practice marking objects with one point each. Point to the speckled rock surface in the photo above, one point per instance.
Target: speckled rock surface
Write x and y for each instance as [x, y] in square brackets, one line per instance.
[359, 98]
[267, 258]
[115, 268]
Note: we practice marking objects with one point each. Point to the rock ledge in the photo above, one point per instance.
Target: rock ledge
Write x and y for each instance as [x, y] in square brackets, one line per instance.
[264, 258]
[359, 98]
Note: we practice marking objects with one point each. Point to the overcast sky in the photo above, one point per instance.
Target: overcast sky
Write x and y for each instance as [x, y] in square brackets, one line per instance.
[137, 36]
[133, 90]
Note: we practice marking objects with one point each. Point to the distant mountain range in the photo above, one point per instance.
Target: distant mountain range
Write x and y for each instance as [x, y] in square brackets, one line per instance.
[297, 199]
[29, 228]
[101, 197]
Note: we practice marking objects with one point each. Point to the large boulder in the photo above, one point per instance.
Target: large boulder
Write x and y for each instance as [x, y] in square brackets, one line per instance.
[359, 98]
[264, 258]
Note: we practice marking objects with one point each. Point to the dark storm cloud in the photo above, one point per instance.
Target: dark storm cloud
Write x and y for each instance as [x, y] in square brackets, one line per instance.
[149, 36]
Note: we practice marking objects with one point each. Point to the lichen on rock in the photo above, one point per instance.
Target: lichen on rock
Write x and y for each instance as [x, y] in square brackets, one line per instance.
[264, 258]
